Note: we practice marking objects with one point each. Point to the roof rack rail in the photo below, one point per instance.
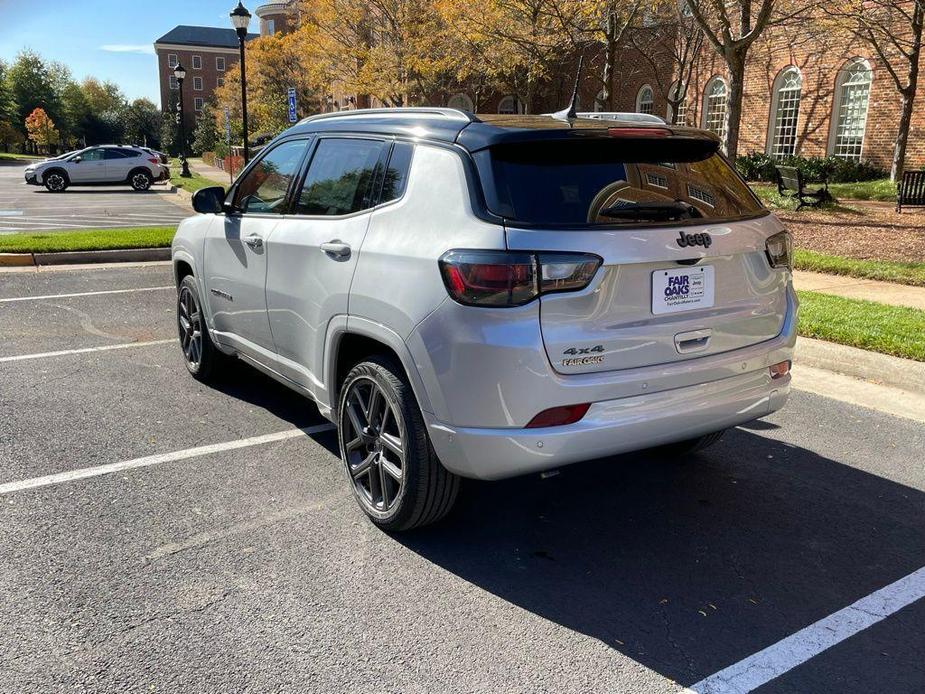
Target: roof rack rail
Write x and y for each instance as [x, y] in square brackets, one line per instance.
[451, 113]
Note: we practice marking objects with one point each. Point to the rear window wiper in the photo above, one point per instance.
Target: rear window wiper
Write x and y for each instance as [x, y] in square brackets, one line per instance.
[659, 211]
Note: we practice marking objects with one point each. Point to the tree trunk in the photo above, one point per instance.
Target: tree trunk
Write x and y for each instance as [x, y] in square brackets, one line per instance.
[908, 94]
[902, 137]
[735, 62]
[610, 57]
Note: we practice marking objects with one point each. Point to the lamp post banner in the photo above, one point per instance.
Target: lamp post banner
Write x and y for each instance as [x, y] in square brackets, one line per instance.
[292, 105]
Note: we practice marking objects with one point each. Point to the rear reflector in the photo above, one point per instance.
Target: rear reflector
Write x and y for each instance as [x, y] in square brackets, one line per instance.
[780, 369]
[559, 416]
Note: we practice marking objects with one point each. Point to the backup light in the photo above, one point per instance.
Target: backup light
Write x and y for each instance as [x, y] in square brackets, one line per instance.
[779, 249]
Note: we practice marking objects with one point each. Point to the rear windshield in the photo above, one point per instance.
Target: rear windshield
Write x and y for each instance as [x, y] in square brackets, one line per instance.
[613, 182]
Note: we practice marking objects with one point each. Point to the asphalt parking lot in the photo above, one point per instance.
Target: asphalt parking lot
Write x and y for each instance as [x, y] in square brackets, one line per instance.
[32, 208]
[161, 535]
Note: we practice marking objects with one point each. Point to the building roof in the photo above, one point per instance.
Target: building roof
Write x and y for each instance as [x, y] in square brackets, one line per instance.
[184, 35]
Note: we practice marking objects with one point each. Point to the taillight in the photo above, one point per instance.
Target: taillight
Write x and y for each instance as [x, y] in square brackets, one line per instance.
[154, 160]
[559, 416]
[780, 250]
[511, 278]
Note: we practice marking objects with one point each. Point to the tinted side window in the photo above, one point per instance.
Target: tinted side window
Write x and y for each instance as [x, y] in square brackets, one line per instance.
[114, 154]
[264, 187]
[92, 155]
[340, 177]
[396, 173]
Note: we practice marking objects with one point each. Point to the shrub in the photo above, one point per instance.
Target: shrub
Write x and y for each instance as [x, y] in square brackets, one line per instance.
[758, 166]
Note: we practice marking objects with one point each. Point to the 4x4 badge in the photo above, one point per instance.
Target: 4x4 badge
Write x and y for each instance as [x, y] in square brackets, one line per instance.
[694, 240]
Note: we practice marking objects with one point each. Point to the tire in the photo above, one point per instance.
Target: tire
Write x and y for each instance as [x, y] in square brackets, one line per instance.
[56, 181]
[423, 491]
[140, 180]
[200, 355]
[691, 446]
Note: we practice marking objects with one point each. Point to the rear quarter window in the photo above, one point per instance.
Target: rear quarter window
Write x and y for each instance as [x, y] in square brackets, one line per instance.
[603, 182]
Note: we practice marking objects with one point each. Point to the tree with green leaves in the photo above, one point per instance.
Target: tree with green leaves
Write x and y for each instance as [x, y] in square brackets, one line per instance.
[206, 135]
[142, 121]
[31, 86]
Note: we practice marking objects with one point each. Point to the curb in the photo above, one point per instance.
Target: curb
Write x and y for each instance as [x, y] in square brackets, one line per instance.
[122, 255]
[883, 369]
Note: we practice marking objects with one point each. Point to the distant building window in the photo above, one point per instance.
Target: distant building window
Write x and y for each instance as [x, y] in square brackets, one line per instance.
[197, 84]
[714, 107]
[461, 102]
[785, 113]
[849, 118]
[700, 194]
[172, 60]
[679, 117]
[645, 100]
[173, 83]
[220, 82]
[657, 180]
[268, 27]
[198, 103]
[510, 104]
[220, 64]
[197, 62]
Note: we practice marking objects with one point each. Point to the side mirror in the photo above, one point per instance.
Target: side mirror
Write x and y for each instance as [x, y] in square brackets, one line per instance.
[209, 200]
[77, 160]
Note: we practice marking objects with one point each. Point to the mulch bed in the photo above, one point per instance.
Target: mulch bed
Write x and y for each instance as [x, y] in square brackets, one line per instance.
[868, 231]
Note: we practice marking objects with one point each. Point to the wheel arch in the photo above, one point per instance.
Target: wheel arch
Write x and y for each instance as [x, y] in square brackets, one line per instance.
[349, 341]
[55, 169]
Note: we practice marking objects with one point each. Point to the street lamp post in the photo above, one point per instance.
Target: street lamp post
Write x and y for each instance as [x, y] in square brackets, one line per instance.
[180, 73]
[240, 18]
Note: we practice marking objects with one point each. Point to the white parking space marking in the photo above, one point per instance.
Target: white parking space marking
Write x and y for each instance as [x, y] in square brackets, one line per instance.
[786, 654]
[68, 296]
[158, 459]
[85, 350]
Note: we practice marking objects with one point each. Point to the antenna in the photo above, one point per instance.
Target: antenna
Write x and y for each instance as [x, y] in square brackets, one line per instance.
[571, 112]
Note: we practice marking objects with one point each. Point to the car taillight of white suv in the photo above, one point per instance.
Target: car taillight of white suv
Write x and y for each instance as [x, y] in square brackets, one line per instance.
[489, 296]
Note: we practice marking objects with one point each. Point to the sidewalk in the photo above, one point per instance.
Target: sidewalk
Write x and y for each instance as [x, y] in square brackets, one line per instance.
[855, 288]
[213, 173]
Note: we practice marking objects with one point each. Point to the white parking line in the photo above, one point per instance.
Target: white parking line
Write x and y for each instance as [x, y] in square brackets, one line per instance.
[85, 350]
[68, 296]
[786, 654]
[150, 460]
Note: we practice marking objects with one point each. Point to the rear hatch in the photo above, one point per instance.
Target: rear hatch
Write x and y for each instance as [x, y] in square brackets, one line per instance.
[681, 237]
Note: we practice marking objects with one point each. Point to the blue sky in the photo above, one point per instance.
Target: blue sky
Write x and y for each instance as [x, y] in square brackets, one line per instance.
[110, 39]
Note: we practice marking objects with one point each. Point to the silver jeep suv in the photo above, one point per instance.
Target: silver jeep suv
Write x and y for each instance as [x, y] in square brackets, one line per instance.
[487, 296]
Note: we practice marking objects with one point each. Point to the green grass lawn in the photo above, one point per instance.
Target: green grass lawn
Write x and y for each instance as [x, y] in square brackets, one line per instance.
[895, 330]
[767, 193]
[17, 157]
[192, 184]
[879, 189]
[884, 270]
[87, 240]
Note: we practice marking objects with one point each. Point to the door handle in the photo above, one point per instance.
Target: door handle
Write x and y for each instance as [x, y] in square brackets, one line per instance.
[338, 249]
[254, 241]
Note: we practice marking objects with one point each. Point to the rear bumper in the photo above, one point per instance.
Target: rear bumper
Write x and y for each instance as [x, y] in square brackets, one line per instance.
[611, 427]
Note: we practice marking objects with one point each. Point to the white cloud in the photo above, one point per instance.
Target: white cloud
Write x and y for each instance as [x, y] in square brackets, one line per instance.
[147, 49]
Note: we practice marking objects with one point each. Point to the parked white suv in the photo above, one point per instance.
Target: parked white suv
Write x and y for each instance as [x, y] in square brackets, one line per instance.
[490, 296]
[102, 165]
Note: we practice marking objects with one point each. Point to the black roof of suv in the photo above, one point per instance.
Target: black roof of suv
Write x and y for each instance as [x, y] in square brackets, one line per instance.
[475, 132]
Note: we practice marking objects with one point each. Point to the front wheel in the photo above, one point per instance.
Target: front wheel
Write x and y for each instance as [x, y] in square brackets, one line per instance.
[56, 182]
[395, 474]
[141, 180]
[199, 354]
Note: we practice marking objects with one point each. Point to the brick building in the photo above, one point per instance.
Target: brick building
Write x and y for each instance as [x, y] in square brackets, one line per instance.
[810, 94]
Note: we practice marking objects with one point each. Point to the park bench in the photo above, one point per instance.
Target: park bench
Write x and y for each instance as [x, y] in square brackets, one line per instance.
[911, 190]
[790, 182]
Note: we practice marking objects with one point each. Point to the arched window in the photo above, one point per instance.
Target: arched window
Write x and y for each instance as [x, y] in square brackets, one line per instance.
[849, 114]
[714, 106]
[510, 104]
[785, 113]
[644, 100]
[462, 102]
[679, 118]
